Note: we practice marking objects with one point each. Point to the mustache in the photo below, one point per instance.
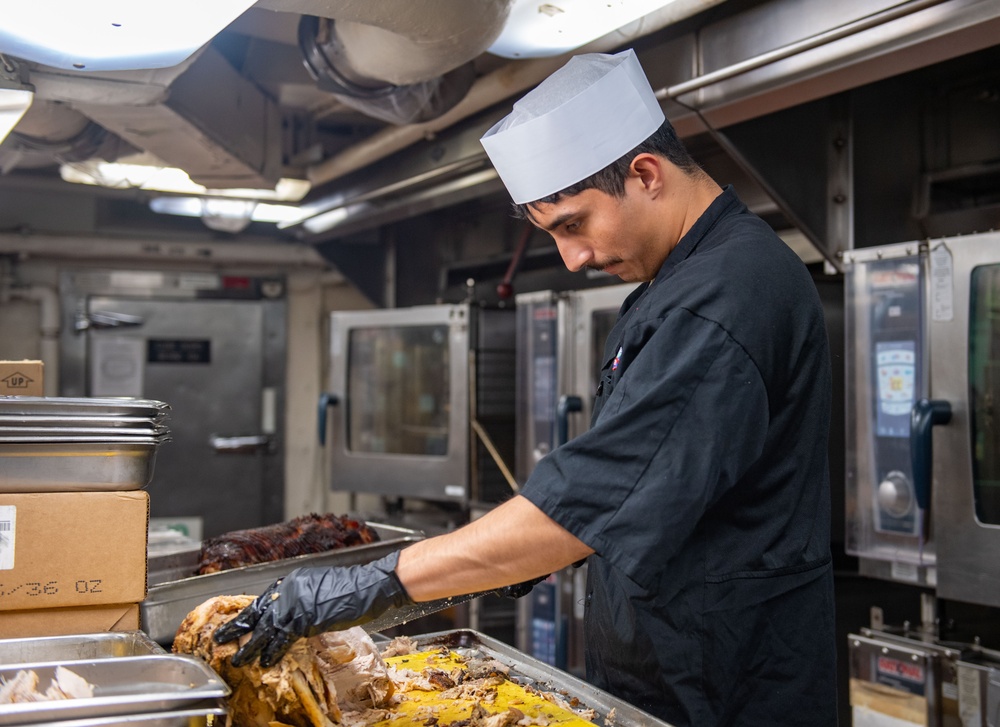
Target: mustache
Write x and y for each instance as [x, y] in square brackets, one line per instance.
[604, 264]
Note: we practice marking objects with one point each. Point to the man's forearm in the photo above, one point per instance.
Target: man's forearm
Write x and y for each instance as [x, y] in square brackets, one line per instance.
[510, 544]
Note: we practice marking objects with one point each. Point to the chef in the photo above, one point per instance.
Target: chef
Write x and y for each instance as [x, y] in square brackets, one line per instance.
[700, 493]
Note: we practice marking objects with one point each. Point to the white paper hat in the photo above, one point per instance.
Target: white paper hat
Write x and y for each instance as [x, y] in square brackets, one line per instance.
[579, 120]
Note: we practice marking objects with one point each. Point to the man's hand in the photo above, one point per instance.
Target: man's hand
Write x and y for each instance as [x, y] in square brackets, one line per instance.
[310, 600]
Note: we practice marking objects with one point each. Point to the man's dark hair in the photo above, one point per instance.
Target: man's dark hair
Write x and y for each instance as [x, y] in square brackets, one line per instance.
[611, 180]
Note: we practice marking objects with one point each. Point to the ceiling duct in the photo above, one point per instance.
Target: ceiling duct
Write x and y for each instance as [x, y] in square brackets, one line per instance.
[401, 63]
[324, 56]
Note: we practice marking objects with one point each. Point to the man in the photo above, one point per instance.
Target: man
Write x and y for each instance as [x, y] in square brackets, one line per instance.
[700, 492]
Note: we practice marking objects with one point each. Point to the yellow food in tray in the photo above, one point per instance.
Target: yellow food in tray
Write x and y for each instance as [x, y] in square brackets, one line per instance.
[342, 679]
[469, 693]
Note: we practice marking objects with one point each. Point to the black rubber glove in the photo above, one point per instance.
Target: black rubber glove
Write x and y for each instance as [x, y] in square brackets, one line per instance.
[311, 600]
[517, 590]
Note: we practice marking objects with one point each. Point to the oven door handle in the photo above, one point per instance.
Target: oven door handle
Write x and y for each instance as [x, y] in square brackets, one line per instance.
[567, 405]
[926, 413]
[326, 400]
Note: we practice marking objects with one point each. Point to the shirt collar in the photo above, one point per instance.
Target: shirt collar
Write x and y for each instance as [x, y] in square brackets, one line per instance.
[722, 205]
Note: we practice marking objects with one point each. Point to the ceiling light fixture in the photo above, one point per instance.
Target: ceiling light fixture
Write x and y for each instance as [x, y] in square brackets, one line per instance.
[113, 35]
[537, 29]
[142, 171]
[227, 215]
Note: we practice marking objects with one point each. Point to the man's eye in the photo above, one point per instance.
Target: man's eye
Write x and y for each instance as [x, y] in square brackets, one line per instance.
[572, 226]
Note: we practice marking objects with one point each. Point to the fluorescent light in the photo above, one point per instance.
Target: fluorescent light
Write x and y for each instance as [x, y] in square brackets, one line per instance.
[141, 171]
[222, 208]
[326, 221]
[13, 103]
[113, 35]
[537, 29]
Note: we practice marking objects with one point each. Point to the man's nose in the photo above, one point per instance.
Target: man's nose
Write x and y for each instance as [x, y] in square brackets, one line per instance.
[575, 255]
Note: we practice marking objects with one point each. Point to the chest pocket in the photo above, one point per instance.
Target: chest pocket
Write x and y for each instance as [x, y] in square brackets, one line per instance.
[610, 373]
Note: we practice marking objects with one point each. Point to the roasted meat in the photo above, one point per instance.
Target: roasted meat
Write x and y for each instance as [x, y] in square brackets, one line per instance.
[302, 535]
[314, 685]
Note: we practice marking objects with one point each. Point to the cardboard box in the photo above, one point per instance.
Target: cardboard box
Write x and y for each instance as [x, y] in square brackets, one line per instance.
[21, 378]
[61, 549]
[63, 621]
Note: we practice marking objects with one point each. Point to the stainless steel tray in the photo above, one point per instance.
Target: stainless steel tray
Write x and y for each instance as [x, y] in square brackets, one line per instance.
[167, 603]
[526, 669]
[81, 406]
[199, 715]
[125, 686]
[76, 466]
[20, 420]
[59, 432]
[103, 645]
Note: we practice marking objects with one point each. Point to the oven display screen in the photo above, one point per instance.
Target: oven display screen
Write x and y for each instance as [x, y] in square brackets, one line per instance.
[895, 364]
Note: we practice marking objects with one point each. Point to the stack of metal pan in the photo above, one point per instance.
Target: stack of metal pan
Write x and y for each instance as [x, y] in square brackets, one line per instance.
[66, 444]
[135, 683]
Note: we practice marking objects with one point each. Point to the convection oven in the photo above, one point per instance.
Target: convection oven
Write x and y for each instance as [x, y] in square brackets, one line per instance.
[560, 340]
[923, 414]
[422, 402]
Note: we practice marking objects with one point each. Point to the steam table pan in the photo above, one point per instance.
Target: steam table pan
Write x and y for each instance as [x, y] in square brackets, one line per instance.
[95, 420]
[60, 433]
[76, 466]
[77, 647]
[80, 406]
[124, 686]
[203, 714]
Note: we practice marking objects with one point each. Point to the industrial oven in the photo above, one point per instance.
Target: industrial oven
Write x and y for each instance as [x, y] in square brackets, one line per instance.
[923, 423]
[422, 402]
[560, 340]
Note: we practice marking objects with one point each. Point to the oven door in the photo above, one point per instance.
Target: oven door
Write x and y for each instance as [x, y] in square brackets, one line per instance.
[400, 384]
[964, 322]
[885, 353]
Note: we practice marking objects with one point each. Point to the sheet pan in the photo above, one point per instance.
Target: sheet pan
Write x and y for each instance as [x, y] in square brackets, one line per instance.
[167, 603]
[527, 670]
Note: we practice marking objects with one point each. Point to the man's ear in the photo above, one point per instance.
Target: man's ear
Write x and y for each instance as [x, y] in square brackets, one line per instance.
[649, 170]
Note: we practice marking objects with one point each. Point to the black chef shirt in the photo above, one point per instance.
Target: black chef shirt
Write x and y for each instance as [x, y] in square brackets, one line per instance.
[702, 486]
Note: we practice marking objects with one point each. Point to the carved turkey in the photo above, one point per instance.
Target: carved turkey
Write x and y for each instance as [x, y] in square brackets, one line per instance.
[319, 682]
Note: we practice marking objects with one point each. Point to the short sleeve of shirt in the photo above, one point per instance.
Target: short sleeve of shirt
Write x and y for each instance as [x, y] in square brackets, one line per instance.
[681, 425]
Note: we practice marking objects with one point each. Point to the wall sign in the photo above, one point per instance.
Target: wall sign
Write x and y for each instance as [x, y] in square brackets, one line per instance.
[179, 351]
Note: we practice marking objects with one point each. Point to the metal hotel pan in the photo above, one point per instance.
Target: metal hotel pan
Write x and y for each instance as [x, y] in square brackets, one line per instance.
[169, 602]
[76, 466]
[198, 715]
[527, 670]
[104, 645]
[81, 406]
[125, 686]
[59, 433]
[147, 423]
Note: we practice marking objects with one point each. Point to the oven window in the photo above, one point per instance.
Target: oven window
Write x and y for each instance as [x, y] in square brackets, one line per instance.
[984, 394]
[398, 394]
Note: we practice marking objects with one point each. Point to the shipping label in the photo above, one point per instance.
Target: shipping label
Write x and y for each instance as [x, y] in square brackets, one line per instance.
[8, 522]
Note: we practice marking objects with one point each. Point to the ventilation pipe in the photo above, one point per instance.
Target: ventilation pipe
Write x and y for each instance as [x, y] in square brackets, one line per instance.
[323, 54]
[506, 81]
[403, 64]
